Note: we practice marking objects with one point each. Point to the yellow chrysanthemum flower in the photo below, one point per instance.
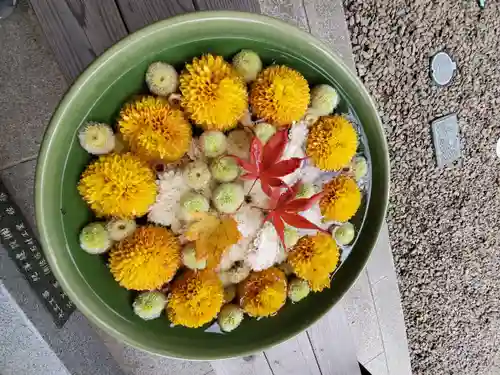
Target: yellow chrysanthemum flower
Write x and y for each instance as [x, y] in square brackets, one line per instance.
[341, 199]
[314, 258]
[147, 259]
[119, 185]
[195, 299]
[279, 95]
[332, 143]
[213, 94]
[263, 293]
[154, 129]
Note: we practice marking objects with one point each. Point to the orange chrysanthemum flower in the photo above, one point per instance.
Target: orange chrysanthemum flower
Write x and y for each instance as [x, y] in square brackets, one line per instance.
[279, 95]
[341, 199]
[147, 259]
[314, 259]
[195, 299]
[332, 143]
[213, 94]
[154, 129]
[263, 293]
[119, 185]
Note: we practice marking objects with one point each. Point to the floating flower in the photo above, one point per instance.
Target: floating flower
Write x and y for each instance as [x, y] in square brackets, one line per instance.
[171, 188]
[213, 143]
[341, 199]
[264, 131]
[230, 317]
[118, 229]
[314, 258]
[265, 249]
[279, 95]
[162, 78]
[195, 299]
[149, 305]
[97, 138]
[332, 143]
[212, 244]
[298, 289]
[228, 197]
[192, 204]
[263, 293]
[225, 169]
[154, 129]
[147, 259]
[344, 234]
[324, 99]
[236, 274]
[238, 143]
[94, 238]
[119, 185]
[189, 258]
[213, 94]
[248, 64]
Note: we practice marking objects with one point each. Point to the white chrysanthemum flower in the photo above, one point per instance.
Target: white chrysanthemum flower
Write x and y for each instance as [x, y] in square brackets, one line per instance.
[265, 250]
[313, 214]
[249, 220]
[257, 196]
[171, 188]
[295, 149]
[235, 253]
[97, 138]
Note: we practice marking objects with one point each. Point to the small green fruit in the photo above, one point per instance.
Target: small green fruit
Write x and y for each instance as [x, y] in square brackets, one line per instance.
[248, 64]
[94, 238]
[225, 169]
[189, 258]
[197, 175]
[213, 143]
[264, 131]
[344, 234]
[149, 305]
[230, 317]
[162, 78]
[324, 99]
[192, 203]
[298, 289]
[228, 197]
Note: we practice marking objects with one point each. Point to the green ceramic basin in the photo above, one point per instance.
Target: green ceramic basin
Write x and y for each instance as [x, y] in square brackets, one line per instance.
[98, 94]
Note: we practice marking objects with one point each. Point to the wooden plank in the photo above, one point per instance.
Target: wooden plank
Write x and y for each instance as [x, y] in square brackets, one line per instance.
[293, 357]
[139, 13]
[241, 5]
[78, 30]
[253, 365]
[332, 343]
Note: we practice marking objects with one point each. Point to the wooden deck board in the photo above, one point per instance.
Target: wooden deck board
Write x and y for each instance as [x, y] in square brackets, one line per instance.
[242, 5]
[139, 13]
[78, 31]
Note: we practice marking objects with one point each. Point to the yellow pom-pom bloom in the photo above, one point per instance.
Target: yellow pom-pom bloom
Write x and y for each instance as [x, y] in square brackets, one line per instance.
[279, 95]
[263, 293]
[341, 199]
[332, 143]
[147, 259]
[154, 129]
[195, 299]
[213, 94]
[119, 185]
[314, 258]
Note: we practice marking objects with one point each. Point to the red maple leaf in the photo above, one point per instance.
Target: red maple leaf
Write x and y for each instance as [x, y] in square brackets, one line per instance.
[286, 209]
[264, 164]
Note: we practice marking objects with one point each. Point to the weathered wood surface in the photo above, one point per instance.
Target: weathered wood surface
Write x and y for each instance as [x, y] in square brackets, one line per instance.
[140, 13]
[80, 30]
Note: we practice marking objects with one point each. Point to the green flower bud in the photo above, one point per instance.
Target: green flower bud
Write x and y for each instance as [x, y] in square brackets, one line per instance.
[298, 289]
[324, 99]
[119, 229]
[94, 238]
[230, 317]
[189, 258]
[213, 143]
[225, 169]
[344, 234]
[192, 203]
[162, 78]
[196, 175]
[149, 305]
[228, 197]
[264, 131]
[248, 64]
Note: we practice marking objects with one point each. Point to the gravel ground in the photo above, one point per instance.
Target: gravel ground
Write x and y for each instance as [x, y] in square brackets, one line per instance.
[443, 222]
